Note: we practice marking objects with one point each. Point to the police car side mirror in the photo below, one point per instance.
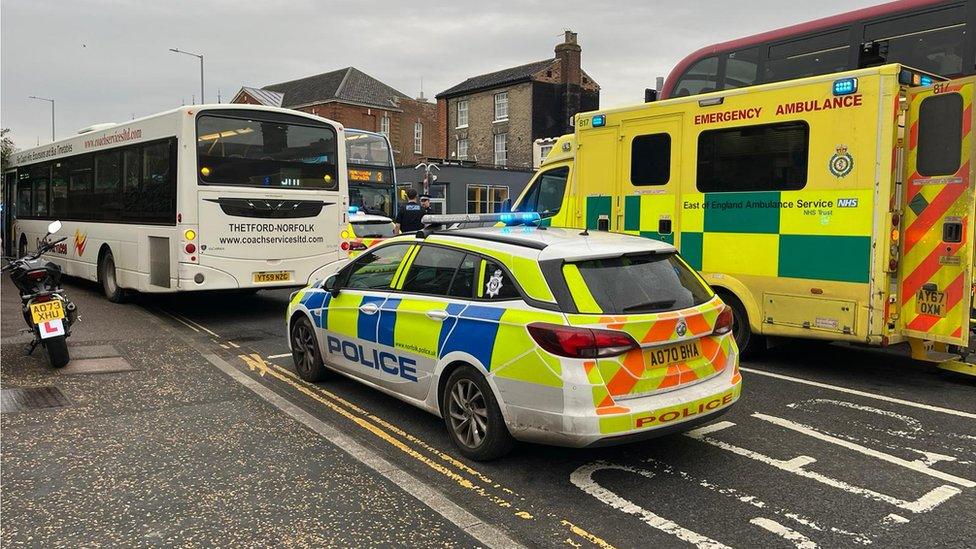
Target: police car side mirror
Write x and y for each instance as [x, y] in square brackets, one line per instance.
[332, 285]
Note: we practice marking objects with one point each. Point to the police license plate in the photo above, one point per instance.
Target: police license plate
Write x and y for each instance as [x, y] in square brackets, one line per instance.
[673, 354]
[929, 302]
[48, 310]
[273, 276]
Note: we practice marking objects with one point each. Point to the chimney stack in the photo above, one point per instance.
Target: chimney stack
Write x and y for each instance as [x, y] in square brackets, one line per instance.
[570, 78]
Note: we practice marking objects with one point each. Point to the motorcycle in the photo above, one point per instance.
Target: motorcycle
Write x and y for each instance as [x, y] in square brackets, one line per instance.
[49, 314]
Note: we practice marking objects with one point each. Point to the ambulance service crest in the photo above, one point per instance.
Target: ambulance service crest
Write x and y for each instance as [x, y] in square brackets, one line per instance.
[841, 163]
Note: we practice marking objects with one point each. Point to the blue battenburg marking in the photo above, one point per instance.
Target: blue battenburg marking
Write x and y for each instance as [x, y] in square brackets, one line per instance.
[313, 299]
[323, 318]
[366, 328]
[474, 333]
[453, 310]
[387, 322]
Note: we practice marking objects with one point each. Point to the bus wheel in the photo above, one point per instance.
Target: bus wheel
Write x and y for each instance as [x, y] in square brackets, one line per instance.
[106, 275]
[750, 344]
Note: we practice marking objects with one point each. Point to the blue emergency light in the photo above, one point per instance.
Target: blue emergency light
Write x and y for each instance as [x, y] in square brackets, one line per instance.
[599, 120]
[925, 80]
[519, 218]
[353, 210]
[845, 86]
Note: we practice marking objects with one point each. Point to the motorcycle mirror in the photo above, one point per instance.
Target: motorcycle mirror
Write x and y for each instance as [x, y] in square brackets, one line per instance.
[54, 227]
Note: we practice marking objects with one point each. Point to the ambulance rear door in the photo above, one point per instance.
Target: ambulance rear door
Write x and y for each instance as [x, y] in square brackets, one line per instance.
[650, 162]
[936, 264]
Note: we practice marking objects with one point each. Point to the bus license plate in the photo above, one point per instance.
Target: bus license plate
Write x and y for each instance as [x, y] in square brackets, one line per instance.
[673, 354]
[48, 310]
[275, 276]
[930, 303]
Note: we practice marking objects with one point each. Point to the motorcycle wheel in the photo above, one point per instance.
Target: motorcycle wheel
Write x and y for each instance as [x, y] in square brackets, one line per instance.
[57, 351]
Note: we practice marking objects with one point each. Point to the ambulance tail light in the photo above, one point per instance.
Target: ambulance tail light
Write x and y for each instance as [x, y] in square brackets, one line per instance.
[723, 324]
[573, 342]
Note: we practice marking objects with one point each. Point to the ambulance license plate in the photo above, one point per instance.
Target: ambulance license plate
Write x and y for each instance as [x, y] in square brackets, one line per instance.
[273, 276]
[673, 354]
[48, 310]
[932, 303]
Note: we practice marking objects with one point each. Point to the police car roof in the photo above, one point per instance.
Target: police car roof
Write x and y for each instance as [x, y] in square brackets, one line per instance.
[558, 243]
[361, 217]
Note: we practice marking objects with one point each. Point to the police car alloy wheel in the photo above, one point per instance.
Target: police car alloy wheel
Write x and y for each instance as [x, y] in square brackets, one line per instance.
[305, 351]
[473, 418]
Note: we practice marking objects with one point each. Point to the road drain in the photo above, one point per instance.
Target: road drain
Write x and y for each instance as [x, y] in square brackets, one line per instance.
[32, 398]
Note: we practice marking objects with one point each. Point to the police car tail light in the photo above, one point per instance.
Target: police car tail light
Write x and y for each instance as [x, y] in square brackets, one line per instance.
[723, 324]
[357, 246]
[575, 342]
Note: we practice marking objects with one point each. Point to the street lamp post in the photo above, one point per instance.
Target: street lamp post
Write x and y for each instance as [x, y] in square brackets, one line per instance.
[51, 101]
[200, 57]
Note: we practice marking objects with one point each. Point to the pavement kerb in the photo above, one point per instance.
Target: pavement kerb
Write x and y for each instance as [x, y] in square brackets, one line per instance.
[432, 498]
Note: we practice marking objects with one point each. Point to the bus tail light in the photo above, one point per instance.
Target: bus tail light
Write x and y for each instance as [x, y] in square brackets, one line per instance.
[344, 245]
[190, 248]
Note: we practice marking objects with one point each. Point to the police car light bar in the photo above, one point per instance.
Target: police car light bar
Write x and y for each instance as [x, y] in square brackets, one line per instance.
[511, 218]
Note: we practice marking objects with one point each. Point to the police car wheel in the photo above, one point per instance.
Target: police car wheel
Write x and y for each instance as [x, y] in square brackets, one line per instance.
[305, 351]
[472, 416]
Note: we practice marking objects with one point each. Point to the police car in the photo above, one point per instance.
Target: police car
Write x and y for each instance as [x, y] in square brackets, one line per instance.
[364, 230]
[520, 332]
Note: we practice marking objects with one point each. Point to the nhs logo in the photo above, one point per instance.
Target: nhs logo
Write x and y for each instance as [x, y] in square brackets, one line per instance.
[846, 202]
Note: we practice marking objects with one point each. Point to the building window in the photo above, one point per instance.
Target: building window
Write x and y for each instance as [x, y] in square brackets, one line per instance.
[418, 138]
[766, 157]
[462, 149]
[385, 126]
[501, 149]
[501, 106]
[486, 198]
[544, 151]
[462, 113]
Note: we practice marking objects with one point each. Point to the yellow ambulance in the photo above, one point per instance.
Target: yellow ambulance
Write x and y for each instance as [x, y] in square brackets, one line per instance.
[833, 207]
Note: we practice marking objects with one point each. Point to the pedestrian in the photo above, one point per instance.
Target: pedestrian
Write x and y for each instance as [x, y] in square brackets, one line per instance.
[409, 215]
[425, 204]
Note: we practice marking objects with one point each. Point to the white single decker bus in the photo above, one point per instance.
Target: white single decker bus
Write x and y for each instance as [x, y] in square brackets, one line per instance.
[208, 197]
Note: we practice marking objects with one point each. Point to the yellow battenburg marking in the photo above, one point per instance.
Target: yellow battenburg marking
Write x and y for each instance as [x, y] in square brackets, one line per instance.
[652, 206]
[529, 276]
[753, 254]
[692, 213]
[827, 212]
[412, 331]
[579, 290]
[343, 314]
[401, 272]
[481, 278]
[515, 355]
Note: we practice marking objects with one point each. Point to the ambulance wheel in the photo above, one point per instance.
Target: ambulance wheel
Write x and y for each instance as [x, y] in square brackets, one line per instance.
[749, 343]
[474, 421]
[305, 351]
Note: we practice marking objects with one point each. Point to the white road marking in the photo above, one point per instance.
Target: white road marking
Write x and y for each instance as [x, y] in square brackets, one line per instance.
[929, 407]
[930, 500]
[892, 519]
[583, 479]
[198, 325]
[789, 534]
[234, 345]
[738, 495]
[283, 355]
[916, 466]
[180, 320]
[425, 494]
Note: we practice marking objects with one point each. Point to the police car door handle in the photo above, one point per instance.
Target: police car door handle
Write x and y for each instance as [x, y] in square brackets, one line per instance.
[369, 308]
[437, 315]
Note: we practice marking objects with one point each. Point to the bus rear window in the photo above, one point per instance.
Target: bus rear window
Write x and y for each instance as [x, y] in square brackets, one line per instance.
[266, 153]
[655, 283]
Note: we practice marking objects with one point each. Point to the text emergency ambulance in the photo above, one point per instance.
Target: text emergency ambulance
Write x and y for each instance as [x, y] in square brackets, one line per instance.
[834, 207]
[524, 333]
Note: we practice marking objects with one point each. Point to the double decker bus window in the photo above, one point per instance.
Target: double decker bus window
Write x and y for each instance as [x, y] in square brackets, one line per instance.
[932, 41]
[700, 78]
[742, 69]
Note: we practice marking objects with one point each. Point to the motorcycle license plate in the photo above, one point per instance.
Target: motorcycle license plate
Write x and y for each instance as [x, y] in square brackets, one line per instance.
[48, 310]
[274, 276]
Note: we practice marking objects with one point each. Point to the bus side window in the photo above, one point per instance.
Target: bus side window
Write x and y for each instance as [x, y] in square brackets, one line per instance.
[702, 77]
[59, 191]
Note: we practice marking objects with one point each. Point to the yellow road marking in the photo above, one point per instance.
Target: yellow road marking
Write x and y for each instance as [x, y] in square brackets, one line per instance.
[595, 540]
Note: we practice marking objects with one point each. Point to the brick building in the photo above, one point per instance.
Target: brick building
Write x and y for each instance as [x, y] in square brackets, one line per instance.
[357, 100]
[493, 119]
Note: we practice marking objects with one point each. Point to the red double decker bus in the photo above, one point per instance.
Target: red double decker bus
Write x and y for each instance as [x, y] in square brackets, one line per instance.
[934, 36]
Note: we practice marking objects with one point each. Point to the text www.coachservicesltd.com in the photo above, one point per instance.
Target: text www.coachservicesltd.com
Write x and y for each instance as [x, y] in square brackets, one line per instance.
[261, 239]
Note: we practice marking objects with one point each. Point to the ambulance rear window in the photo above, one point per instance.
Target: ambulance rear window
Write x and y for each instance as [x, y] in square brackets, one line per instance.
[654, 283]
[940, 134]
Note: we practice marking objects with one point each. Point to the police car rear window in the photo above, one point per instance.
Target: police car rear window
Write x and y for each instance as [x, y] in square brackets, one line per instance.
[373, 229]
[645, 283]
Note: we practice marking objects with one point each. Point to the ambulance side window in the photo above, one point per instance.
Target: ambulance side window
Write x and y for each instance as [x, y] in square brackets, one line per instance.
[764, 157]
[940, 134]
[546, 194]
[374, 270]
[650, 159]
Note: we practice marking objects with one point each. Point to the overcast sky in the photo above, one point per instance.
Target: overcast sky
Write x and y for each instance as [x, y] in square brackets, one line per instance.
[107, 61]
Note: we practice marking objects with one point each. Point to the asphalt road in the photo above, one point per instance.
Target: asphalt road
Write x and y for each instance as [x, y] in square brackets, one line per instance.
[830, 446]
